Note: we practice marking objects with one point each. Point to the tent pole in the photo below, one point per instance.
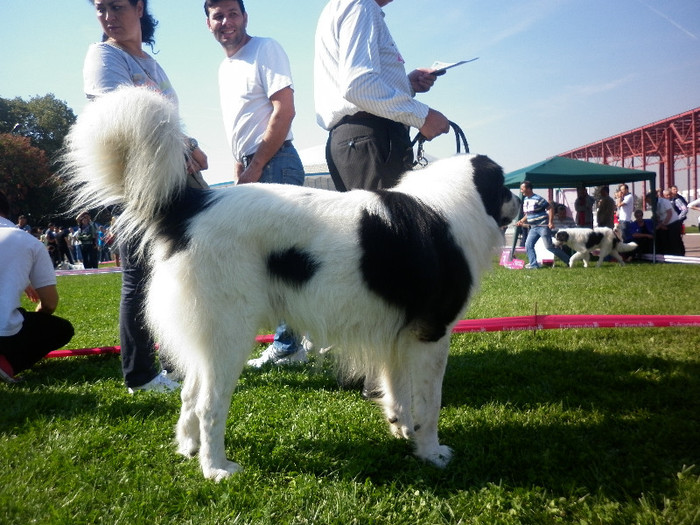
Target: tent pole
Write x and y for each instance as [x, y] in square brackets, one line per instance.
[653, 220]
[518, 229]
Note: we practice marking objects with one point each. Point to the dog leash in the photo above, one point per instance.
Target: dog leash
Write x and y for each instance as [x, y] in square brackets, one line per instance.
[460, 139]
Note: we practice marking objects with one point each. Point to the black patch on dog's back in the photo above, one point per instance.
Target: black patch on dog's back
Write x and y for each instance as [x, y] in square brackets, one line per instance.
[176, 217]
[293, 266]
[413, 262]
[594, 240]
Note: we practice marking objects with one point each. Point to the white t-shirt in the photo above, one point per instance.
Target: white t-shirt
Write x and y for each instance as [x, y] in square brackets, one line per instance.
[626, 211]
[662, 208]
[107, 67]
[247, 80]
[358, 67]
[24, 260]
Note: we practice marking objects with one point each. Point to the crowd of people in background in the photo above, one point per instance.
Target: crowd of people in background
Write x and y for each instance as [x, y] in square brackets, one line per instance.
[661, 233]
[85, 244]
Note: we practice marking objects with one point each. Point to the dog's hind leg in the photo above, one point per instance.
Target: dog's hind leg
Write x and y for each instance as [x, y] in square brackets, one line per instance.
[427, 362]
[187, 430]
[218, 378]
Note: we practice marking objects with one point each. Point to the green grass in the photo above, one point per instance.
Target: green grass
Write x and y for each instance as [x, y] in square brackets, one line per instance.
[557, 426]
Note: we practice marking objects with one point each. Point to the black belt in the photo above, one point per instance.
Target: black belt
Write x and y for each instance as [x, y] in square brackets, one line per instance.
[360, 115]
[365, 117]
[247, 158]
[357, 117]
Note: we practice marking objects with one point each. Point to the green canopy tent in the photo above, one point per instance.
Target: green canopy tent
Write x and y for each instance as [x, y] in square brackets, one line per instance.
[563, 172]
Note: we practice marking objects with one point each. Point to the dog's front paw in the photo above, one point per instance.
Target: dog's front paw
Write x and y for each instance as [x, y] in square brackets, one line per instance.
[222, 472]
[439, 457]
[400, 429]
[401, 432]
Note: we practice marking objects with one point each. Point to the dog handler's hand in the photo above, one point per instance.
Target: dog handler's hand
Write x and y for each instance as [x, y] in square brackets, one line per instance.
[435, 124]
[422, 79]
[197, 161]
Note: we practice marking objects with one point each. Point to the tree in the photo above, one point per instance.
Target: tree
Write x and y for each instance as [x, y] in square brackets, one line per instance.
[31, 134]
[45, 120]
[26, 179]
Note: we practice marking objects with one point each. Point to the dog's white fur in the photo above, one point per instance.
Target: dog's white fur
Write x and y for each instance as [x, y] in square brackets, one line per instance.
[584, 240]
[207, 300]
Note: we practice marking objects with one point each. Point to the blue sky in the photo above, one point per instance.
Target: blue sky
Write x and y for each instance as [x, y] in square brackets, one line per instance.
[552, 74]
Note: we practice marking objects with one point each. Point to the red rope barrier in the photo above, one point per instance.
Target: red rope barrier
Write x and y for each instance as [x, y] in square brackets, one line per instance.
[85, 351]
[499, 324]
[549, 322]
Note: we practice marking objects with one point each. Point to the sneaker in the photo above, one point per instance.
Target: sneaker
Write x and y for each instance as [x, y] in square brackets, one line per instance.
[7, 375]
[532, 266]
[271, 356]
[173, 375]
[161, 383]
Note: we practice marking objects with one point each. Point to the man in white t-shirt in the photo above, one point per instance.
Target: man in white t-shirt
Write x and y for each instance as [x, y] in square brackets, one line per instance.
[257, 98]
[257, 102]
[625, 208]
[25, 266]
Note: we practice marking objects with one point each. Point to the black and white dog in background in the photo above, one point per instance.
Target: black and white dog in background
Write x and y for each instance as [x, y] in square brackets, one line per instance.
[584, 240]
[383, 276]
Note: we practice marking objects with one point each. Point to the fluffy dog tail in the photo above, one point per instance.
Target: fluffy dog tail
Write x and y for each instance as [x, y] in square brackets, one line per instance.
[127, 147]
[623, 247]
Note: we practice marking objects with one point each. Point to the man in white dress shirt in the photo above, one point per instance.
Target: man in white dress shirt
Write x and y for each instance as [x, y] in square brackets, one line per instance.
[364, 97]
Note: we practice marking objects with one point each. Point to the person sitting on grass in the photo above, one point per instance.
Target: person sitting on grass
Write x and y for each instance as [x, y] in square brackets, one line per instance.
[25, 266]
[641, 231]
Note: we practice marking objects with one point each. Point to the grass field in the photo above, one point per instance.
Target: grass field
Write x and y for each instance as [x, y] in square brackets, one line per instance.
[557, 426]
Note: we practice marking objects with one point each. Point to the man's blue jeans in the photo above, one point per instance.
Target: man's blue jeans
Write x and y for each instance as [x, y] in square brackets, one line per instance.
[284, 168]
[546, 234]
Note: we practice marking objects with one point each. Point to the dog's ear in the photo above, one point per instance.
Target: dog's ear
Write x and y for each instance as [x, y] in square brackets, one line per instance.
[562, 236]
[488, 179]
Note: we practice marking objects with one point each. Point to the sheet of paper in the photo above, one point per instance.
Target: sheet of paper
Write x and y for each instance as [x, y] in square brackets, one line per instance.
[442, 67]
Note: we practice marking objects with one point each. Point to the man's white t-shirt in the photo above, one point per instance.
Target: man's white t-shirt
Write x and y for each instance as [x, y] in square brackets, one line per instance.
[626, 211]
[247, 80]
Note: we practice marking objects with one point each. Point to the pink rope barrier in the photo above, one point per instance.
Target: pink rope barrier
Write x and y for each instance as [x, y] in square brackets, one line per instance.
[550, 322]
[498, 324]
[84, 351]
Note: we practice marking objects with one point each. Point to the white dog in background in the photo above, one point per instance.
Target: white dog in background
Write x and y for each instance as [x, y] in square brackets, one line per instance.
[383, 276]
[584, 240]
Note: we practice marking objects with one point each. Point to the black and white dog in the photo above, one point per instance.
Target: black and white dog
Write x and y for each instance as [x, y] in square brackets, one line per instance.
[584, 240]
[383, 276]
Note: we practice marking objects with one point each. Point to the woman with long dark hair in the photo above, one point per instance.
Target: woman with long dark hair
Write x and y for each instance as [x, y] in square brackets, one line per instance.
[117, 61]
